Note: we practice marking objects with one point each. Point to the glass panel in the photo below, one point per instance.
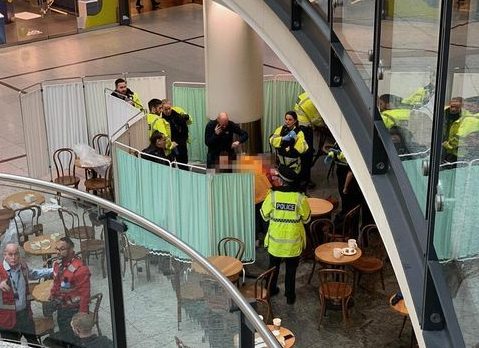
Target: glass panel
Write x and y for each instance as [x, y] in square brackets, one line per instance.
[79, 281]
[409, 44]
[167, 296]
[322, 5]
[455, 235]
[354, 26]
[36, 19]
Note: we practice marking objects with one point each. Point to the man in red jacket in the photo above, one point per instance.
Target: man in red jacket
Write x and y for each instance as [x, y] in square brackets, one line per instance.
[15, 311]
[71, 288]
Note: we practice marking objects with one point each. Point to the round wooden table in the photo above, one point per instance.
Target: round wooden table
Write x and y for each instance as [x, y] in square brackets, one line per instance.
[19, 199]
[41, 292]
[284, 332]
[320, 207]
[324, 253]
[27, 246]
[228, 265]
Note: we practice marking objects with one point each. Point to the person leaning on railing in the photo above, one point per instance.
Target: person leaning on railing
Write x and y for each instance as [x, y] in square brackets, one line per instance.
[16, 318]
[156, 148]
[124, 93]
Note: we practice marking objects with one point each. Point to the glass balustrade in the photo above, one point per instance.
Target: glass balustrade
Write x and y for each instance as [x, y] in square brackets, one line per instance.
[169, 293]
[406, 89]
[456, 220]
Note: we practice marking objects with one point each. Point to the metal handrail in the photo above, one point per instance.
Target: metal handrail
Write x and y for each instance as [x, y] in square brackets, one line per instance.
[242, 304]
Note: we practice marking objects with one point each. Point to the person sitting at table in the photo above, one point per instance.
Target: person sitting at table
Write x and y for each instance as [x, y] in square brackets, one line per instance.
[287, 210]
[156, 150]
[82, 325]
[15, 312]
[70, 291]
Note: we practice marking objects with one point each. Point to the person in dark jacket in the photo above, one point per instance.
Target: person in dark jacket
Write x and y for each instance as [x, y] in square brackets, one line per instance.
[156, 150]
[219, 138]
[179, 130]
[82, 325]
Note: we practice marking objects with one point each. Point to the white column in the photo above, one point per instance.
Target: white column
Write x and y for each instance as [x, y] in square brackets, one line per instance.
[233, 69]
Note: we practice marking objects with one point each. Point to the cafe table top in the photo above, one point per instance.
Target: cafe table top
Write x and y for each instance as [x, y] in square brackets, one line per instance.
[27, 246]
[228, 265]
[324, 253]
[19, 198]
[319, 206]
[41, 292]
[284, 332]
[90, 165]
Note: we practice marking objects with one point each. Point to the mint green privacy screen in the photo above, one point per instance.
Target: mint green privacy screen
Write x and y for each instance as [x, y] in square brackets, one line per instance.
[455, 229]
[198, 208]
[279, 97]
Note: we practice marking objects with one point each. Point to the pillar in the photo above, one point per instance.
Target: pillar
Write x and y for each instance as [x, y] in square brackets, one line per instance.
[233, 71]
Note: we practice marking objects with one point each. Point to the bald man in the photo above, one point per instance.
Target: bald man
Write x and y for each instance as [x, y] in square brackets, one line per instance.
[15, 312]
[219, 138]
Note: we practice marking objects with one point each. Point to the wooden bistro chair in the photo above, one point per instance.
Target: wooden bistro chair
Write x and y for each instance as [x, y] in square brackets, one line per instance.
[101, 184]
[96, 299]
[225, 247]
[350, 226]
[101, 144]
[134, 254]
[335, 286]
[261, 290]
[85, 234]
[64, 160]
[373, 256]
[319, 232]
[27, 223]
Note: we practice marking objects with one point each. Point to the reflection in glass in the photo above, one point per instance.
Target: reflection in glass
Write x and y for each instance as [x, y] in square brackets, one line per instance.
[455, 229]
[354, 26]
[409, 46]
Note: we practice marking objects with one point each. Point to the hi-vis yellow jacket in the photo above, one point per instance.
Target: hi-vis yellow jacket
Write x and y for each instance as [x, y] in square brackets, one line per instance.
[289, 154]
[396, 117]
[460, 128]
[158, 123]
[307, 113]
[287, 212]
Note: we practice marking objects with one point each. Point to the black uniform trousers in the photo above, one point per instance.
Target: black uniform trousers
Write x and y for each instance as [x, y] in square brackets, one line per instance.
[307, 157]
[290, 277]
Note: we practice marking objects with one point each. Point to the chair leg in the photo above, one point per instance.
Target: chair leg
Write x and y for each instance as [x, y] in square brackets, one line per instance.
[102, 260]
[312, 272]
[148, 275]
[132, 276]
[402, 327]
[344, 309]
[381, 273]
[322, 312]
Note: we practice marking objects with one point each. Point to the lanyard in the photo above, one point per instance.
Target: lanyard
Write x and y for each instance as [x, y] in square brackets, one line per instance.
[15, 282]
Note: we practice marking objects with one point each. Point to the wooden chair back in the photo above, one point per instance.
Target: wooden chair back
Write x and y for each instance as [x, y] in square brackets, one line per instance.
[72, 226]
[371, 243]
[351, 223]
[96, 299]
[226, 244]
[262, 285]
[335, 284]
[321, 231]
[101, 143]
[27, 222]
[64, 160]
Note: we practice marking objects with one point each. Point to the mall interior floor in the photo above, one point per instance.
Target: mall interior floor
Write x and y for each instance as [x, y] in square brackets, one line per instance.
[155, 42]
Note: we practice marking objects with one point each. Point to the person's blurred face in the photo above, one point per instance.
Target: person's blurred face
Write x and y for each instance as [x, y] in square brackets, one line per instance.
[121, 88]
[161, 143]
[64, 250]
[289, 121]
[383, 105]
[223, 121]
[167, 109]
[455, 106]
[157, 109]
[12, 255]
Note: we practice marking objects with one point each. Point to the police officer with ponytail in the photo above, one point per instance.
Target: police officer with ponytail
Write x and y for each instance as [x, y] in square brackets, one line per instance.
[287, 210]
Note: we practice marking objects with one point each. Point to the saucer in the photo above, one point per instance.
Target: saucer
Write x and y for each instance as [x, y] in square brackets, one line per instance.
[348, 251]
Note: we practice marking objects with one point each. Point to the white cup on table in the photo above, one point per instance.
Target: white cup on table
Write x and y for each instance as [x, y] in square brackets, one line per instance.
[277, 323]
[337, 253]
[352, 243]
